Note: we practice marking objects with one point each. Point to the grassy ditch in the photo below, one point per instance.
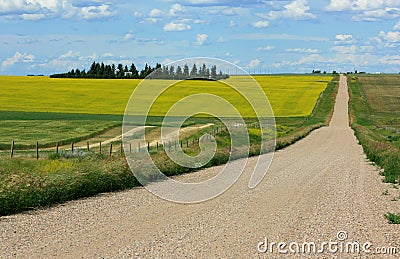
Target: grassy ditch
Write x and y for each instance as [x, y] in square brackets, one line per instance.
[374, 115]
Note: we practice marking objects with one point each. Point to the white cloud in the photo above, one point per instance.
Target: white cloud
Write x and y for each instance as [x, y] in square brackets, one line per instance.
[300, 50]
[155, 13]
[344, 37]
[221, 40]
[266, 48]
[310, 59]
[128, 36]
[95, 12]
[390, 60]
[254, 63]
[229, 11]
[366, 49]
[339, 5]
[175, 9]
[45, 9]
[177, 27]
[32, 16]
[367, 10]
[360, 5]
[261, 24]
[232, 24]
[345, 49]
[377, 15]
[201, 38]
[108, 55]
[283, 36]
[167, 61]
[69, 54]
[396, 27]
[390, 37]
[137, 14]
[297, 9]
[18, 58]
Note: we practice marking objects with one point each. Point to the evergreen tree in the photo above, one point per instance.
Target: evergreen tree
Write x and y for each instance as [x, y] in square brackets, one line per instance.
[185, 71]
[171, 72]
[207, 73]
[120, 72]
[202, 71]
[179, 73]
[193, 72]
[134, 71]
[214, 72]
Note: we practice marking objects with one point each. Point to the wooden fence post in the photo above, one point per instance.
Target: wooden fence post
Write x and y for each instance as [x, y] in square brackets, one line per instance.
[57, 148]
[120, 149]
[110, 149]
[12, 148]
[148, 146]
[87, 144]
[157, 146]
[139, 147]
[100, 147]
[72, 147]
[130, 148]
[187, 143]
[37, 150]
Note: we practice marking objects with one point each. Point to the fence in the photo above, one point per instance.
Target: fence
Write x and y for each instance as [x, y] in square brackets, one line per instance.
[117, 147]
[109, 148]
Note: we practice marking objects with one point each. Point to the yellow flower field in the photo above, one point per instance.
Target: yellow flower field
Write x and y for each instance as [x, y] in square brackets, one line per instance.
[290, 96]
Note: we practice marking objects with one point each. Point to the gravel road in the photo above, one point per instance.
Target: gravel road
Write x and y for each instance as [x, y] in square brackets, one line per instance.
[315, 188]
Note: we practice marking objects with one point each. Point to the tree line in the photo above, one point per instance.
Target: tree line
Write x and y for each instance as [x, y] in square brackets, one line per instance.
[102, 71]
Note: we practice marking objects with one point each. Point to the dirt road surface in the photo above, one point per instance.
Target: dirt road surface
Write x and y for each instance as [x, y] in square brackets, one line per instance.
[315, 188]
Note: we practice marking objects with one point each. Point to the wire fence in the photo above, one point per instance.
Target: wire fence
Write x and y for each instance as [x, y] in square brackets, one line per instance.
[113, 148]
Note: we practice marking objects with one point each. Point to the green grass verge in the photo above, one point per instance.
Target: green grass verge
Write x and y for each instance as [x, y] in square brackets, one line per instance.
[376, 126]
[27, 184]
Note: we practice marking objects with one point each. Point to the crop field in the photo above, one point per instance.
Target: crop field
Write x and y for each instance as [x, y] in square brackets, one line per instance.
[290, 96]
[60, 110]
[375, 113]
[63, 110]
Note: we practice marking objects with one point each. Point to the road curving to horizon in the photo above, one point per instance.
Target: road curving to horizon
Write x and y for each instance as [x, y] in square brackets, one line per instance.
[315, 188]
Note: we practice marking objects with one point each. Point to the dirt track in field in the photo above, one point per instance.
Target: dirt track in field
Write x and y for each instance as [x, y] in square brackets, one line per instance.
[315, 188]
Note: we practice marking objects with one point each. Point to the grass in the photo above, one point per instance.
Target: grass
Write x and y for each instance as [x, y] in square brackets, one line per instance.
[393, 218]
[25, 133]
[26, 183]
[375, 118]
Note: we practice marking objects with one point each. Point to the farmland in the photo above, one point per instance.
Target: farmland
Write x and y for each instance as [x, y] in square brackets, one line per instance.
[374, 110]
[290, 96]
[57, 110]
[62, 110]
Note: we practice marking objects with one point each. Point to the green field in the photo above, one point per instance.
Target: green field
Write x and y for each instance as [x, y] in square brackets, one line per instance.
[375, 114]
[290, 96]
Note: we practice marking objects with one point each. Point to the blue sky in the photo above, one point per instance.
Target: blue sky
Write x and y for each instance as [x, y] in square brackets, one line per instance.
[49, 36]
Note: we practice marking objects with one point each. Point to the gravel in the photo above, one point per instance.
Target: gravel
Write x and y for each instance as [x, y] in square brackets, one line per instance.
[315, 188]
